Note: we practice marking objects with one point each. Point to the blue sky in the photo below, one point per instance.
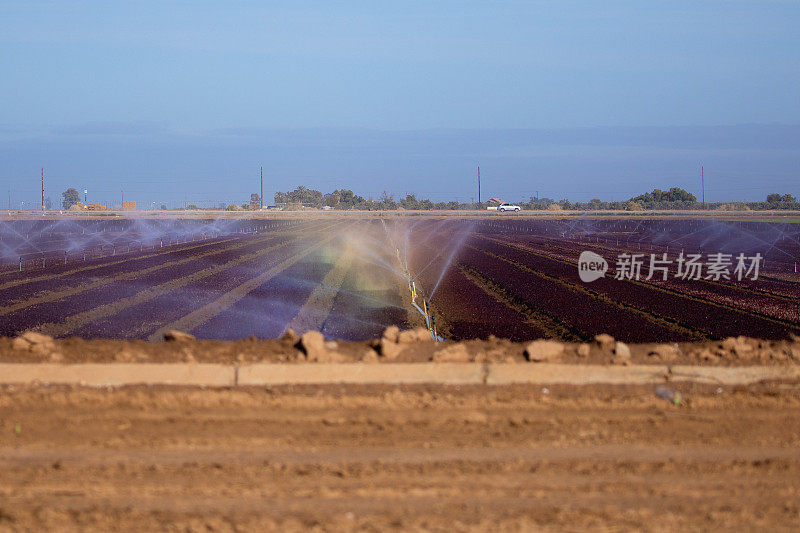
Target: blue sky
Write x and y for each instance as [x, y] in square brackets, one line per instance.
[578, 99]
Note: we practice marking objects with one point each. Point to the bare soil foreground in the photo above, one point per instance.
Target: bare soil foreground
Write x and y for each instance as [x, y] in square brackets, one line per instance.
[391, 457]
[376, 458]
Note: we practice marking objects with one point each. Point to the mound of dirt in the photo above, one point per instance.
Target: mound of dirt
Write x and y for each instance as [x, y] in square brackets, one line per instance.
[397, 347]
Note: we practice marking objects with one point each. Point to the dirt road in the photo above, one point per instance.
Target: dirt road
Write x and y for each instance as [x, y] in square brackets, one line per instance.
[376, 458]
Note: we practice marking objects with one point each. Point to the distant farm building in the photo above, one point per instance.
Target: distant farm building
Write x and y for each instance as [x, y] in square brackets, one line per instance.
[129, 205]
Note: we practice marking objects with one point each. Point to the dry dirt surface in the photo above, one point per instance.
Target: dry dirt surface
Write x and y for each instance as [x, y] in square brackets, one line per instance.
[376, 458]
[397, 347]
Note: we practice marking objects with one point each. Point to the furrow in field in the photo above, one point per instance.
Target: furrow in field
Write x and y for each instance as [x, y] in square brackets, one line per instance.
[769, 285]
[464, 309]
[266, 310]
[569, 250]
[140, 321]
[720, 318]
[71, 323]
[574, 303]
[549, 324]
[60, 294]
[315, 310]
[109, 261]
[207, 312]
[95, 270]
[367, 302]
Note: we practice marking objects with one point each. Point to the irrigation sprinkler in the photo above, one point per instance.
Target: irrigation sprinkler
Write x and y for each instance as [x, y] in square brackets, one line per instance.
[425, 309]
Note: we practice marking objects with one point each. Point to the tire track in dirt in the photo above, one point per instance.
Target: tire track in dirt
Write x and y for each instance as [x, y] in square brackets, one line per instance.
[207, 312]
[52, 296]
[315, 311]
[75, 321]
[551, 325]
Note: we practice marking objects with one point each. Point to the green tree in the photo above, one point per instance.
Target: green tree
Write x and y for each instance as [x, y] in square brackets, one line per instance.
[70, 197]
[332, 199]
[304, 196]
[410, 202]
[776, 198]
[658, 199]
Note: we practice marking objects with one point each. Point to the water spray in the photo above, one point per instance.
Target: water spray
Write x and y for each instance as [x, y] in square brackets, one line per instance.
[425, 308]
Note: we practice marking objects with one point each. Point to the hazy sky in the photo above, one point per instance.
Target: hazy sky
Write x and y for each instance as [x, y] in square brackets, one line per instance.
[572, 98]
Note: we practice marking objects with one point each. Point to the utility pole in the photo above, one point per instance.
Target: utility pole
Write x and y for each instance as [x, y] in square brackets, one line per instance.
[42, 189]
[261, 196]
[479, 184]
[703, 185]
[122, 205]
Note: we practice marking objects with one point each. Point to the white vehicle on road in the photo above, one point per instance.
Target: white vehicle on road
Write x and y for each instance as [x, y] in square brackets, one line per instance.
[508, 207]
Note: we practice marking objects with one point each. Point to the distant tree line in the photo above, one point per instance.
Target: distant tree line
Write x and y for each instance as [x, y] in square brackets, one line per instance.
[345, 199]
[674, 198]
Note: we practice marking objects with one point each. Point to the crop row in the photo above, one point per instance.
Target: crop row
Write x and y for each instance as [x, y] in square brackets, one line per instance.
[129, 298]
[760, 298]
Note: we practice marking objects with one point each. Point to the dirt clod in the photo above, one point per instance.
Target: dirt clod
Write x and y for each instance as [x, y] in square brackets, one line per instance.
[604, 339]
[414, 335]
[663, 352]
[174, 335]
[290, 337]
[390, 349]
[32, 341]
[313, 345]
[391, 333]
[584, 349]
[544, 350]
[622, 354]
[454, 353]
